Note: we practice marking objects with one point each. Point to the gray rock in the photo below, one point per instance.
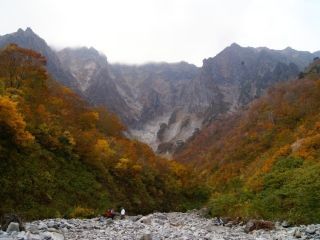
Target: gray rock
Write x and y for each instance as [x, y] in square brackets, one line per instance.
[109, 221]
[146, 236]
[285, 224]
[204, 212]
[249, 227]
[42, 226]
[297, 233]
[146, 220]
[311, 229]
[136, 218]
[257, 225]
[13, 227]
[8, 218]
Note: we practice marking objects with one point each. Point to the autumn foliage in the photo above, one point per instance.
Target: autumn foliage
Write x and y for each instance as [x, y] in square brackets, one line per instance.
[263, 162]
[61, 157]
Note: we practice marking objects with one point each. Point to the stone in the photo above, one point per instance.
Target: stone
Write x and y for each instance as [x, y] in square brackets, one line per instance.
[13, 227]
[42, 226]
[146, 236]
[109, 221]
[297, 233]
[146, 220]
[158, 226]
[8, 218]
[258, 224]
[136, 218]
[311, 229]
[285, 224]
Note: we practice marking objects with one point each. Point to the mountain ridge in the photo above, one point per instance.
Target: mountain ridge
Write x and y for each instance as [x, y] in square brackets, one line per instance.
[149, 97]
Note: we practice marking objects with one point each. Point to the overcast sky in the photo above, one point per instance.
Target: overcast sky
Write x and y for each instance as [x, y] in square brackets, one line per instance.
[137, 31]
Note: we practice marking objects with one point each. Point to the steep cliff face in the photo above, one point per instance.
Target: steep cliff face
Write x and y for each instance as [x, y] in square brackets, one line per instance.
[91, 70]
[28, 39]
[165, 104]
[237, 75]
[83, 63]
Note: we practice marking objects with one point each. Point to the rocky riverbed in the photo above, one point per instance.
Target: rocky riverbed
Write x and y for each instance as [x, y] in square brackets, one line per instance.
[155, 226]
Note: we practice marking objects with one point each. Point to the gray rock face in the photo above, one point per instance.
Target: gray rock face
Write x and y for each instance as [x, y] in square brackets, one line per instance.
[173, 101]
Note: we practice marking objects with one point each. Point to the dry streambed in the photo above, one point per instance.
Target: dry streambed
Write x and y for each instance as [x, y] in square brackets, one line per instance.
[152, 227]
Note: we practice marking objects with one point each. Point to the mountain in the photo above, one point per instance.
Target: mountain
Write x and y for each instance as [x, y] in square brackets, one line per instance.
[164, 104]
[91, 71]
[263, 161]
[28, 39]
[154, 90]
[83, 63]
[61, 157]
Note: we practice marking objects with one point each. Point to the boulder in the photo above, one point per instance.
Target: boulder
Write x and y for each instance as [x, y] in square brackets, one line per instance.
[146, 220]
[311, 229]
[258, 224]
[13, 227]
[297, 233]
[8, 218]
[146, 236]
[285, 224]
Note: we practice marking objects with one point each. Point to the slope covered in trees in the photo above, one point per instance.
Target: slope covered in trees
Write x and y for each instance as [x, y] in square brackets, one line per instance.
[264, 162]
[61, 157]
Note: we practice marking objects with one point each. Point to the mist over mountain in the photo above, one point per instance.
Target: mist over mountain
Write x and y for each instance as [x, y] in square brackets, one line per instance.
[164, 104]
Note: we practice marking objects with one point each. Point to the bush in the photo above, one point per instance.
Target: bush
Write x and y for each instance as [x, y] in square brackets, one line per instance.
[81, 212]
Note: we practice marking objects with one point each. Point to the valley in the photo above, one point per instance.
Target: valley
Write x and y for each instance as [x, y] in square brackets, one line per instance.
[241, 133]
[164, 104]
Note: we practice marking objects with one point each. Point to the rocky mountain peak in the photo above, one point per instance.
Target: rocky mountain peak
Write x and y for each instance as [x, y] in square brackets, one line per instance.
[29, 39]
[29, 33]
[235, 45]
[29, 30]
[289, 49]
[83, 63]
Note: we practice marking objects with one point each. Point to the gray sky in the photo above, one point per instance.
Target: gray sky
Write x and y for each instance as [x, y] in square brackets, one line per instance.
[137, 31]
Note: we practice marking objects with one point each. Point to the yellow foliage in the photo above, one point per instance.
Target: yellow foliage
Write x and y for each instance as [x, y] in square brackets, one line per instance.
[13, 120]
[123, 164]
[102, 149]
[81, 212]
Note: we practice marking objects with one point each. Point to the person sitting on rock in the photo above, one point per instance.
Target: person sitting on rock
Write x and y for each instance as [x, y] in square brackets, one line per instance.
[123, 213]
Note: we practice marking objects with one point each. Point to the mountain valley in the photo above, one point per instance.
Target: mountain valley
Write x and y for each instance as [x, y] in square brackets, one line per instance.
[164, 104]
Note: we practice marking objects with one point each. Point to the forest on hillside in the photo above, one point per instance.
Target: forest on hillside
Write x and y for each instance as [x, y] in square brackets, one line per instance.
[263, 162]
[59, 157]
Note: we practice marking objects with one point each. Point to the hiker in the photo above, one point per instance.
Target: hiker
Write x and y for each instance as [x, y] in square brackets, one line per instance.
[123, 213]
[109, 214]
